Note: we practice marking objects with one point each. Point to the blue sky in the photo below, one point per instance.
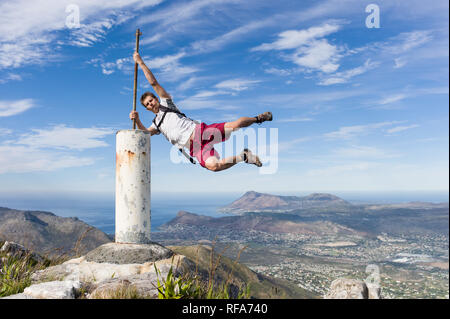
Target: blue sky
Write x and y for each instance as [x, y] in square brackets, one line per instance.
[355, 108]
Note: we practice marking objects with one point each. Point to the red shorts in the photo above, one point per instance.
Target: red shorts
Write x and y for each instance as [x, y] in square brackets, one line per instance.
[205, 136]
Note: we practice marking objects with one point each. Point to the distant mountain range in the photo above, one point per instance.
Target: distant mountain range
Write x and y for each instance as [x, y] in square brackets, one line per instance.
[47, 233]
[321, 213]
[319, 202]
[259, 202]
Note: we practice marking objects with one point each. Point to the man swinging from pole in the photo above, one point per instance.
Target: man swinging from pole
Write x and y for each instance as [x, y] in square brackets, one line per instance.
[181, 131]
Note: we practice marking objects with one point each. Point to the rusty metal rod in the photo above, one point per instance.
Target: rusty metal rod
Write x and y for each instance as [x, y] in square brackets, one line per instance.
[138, 33]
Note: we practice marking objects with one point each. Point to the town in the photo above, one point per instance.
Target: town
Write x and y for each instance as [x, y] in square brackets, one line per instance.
[409, 266]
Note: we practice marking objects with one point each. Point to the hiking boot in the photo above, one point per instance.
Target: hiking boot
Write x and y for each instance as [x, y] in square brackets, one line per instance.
[266, 116]
[250, 158]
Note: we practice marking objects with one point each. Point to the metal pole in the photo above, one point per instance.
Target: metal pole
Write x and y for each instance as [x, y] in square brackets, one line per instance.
[138, 33]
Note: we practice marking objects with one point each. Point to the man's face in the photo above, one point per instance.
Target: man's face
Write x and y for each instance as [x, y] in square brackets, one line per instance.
[151, 104]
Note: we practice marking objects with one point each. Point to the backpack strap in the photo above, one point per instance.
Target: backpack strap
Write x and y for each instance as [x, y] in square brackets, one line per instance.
[160, 122]
[166, 110]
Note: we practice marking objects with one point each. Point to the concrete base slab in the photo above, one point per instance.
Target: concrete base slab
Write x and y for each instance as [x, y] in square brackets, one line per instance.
[119, 253]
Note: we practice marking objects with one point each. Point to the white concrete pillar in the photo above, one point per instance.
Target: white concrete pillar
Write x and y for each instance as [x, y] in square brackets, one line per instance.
[132, 187]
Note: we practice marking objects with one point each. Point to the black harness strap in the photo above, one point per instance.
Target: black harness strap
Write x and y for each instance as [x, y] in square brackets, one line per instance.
[166, 110]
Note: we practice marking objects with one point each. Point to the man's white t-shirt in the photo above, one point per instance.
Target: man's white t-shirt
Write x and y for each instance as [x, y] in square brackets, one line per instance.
[176, 128]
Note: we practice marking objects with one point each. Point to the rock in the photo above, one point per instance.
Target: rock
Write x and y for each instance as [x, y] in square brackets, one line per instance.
[65, 271]
[109, 271]
[18, 296]
[117, 253]
[86, 271]
[13, 249]
[54, 290]
[374, 291]
[343, 288]
[144, 285]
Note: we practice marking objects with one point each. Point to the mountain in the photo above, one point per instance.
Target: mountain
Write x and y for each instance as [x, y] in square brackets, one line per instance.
[259, 202]
[267, 222]
[46, 233]
[417, 218]
[261, 286]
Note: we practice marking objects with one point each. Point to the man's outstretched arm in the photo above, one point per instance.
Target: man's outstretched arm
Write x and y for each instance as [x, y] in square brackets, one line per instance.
[150, 77]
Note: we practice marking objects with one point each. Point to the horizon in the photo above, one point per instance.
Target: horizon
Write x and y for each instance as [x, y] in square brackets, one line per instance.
[435, 196]
[355, 107]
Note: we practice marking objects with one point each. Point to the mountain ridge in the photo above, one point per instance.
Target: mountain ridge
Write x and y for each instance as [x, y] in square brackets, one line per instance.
[45, 232]
[253, 201]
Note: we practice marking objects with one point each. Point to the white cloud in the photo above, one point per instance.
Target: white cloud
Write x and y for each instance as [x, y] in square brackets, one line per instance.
[318, 55]
[179, 18]
[28, 51]
[399, 63]
[179, 12]
[192, 81]
[205, 46]
[409, 93]
[10, 77]
[293, 39]
[312, 51]
[170, 67]
[316, 102]
[21, 159]
[204, 94]
[9, 108]
[393, 98]
[31, 30]
[198, 102]
[345, 76]
[87, 35]
[407, 41]
[295, 119]
[279, 72]
[357, 151]
[236, 84]
[201, 99]
[348, 132]
[284, 146]
[401, 128]
[50, 149]
[125, 65]
[5, 131]
[63, 137]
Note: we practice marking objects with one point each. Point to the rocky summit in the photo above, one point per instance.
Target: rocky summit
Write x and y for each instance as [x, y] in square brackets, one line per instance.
[111, 269]
[83, 277]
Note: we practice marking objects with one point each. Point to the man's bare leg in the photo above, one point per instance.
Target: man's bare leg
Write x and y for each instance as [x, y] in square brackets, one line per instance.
[245, 121]
[239, 123]
[215, 164]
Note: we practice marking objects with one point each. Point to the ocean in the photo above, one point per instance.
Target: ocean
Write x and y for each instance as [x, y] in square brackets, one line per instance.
[98, 211]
